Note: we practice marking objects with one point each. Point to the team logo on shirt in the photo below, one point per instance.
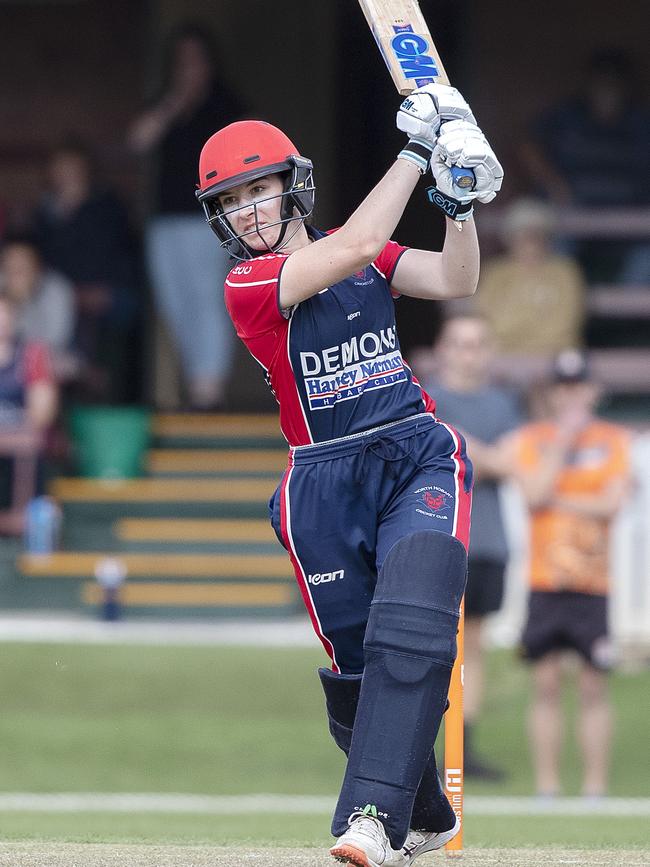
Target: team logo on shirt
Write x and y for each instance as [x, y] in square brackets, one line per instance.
[346, 371]
[361, 280]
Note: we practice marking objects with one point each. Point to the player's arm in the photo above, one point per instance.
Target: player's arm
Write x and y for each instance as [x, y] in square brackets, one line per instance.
[538, 481]
[357, 243]
[42, 403]
[453, 273]
[362, 238]
[490, 460]
[605, 504]
[460, 144]
[41, 393]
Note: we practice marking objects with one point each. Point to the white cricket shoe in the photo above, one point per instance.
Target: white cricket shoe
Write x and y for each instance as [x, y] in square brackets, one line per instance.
[419, 842]
[365, 844]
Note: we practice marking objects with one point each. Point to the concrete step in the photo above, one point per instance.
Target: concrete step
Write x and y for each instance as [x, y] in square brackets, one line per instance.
[172, 594]
[172, 430]
[235, 490]
[156, 530]
[222, 462]
[174, 585]
[91, 501]
[83, 564]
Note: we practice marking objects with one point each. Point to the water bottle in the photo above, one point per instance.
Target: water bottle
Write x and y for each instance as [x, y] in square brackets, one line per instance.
[111, 573]
[42, 526]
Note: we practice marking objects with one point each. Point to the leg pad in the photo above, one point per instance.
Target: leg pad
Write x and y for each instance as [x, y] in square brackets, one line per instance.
[410, 648]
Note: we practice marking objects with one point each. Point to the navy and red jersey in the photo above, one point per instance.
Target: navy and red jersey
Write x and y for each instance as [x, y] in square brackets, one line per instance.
[29, 364]
[333, 361]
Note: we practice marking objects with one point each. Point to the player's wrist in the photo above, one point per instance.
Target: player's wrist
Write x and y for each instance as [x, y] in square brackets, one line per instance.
[417, 152]
[455, 209]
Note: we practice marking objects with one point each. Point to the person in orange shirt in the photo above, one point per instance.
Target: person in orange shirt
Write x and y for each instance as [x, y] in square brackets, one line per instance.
[573, 472]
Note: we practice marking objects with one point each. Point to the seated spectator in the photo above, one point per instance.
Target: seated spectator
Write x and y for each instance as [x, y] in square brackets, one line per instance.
[28, 408]
[584, 152]
[44, 303]
[83, 231]
[532, 298]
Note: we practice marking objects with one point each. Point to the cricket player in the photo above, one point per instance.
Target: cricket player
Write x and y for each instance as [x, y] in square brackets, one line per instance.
[374, 507]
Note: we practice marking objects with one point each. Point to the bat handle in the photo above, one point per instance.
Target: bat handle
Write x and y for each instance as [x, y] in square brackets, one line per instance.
[464, 179]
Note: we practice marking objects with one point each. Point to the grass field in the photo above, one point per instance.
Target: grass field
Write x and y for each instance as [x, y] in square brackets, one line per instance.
[232, 721]
[137, 856]
[22, 855]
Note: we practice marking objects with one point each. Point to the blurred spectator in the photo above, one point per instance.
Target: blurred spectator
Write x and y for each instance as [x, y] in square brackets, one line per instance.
[533, 299]
[28, 407]
[484, 414]
[590, 150]
[636, 270]
[573, 472]
[83, 232]
[185, 265]
[44, 302]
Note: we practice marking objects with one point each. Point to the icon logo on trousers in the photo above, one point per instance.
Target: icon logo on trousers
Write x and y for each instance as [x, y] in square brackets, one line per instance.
[326, 577]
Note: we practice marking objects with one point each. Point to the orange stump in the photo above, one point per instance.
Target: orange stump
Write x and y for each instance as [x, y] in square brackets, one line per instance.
[454, 780]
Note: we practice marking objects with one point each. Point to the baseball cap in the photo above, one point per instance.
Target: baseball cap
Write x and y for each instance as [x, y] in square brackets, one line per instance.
[570, 365]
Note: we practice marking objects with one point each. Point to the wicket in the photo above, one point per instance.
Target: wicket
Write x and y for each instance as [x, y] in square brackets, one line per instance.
[454, 780]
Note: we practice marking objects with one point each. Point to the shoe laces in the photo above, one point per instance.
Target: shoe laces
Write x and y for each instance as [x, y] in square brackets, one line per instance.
[370, 826]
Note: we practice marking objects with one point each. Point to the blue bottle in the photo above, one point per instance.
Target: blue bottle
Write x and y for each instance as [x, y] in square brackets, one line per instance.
[42, 525]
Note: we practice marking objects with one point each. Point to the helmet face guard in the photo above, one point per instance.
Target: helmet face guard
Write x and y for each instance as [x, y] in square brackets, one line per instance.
[241, 153]
[296, 206]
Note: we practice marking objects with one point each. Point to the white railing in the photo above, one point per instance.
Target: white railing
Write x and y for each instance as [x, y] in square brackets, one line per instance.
[630, 562]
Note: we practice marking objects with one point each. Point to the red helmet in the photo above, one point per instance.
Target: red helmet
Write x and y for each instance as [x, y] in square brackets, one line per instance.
[242, 152]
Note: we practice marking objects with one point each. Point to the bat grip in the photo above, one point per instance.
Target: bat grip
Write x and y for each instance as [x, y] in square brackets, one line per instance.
[464, 179]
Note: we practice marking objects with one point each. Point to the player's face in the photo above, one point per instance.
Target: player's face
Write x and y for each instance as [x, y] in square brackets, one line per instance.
[252, 210]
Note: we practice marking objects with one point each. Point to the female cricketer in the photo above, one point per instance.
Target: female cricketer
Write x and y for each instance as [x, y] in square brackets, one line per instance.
[374, 507]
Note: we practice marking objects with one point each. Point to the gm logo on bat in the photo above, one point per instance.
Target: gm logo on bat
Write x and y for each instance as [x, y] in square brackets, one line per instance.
[411, 50]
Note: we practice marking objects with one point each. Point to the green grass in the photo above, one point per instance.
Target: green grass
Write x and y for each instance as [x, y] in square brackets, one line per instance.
[116, 718]
[502, 731]
[222, 720]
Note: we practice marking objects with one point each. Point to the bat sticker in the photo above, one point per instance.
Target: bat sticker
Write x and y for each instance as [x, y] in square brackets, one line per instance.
[412, 52]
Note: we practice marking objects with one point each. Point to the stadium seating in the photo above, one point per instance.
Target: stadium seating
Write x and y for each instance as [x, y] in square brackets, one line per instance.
[193, 536]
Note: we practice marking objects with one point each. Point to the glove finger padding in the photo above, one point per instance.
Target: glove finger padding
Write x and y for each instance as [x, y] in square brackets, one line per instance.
[489, 183]
[463, 144]
[426, 108]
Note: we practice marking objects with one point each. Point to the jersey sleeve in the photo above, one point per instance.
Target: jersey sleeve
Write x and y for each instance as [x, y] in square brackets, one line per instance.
[251, 296]
[387, 260]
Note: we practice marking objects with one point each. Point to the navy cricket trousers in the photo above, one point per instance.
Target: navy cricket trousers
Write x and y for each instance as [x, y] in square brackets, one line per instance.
[342, 505]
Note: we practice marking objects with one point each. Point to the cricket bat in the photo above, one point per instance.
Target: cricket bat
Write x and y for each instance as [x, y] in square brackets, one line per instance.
[403, 37]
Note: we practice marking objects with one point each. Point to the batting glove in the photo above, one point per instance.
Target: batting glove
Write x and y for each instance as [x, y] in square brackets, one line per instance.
[426, 108]
[421, 115]
[462, 143]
